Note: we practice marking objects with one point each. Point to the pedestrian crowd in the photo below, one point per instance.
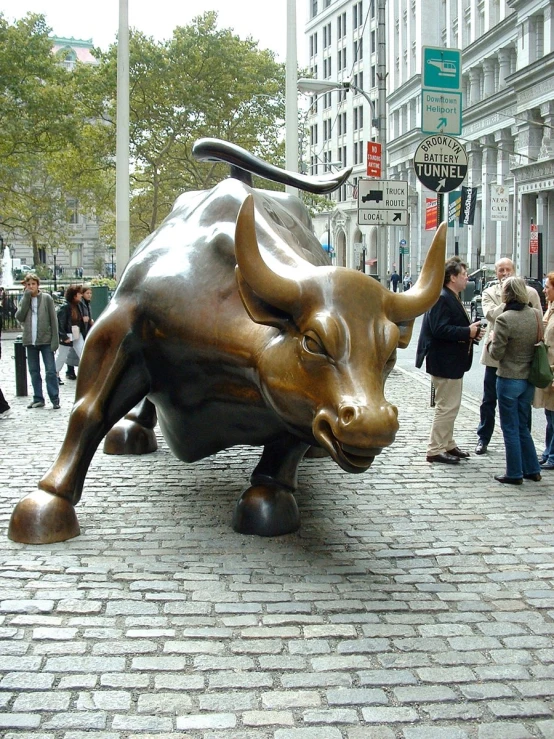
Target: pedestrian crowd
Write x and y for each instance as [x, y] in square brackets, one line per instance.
[49, 335]
[512, 328]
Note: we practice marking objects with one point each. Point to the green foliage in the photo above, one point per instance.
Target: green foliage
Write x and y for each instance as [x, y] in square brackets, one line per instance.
[203, 82]
[103, 282]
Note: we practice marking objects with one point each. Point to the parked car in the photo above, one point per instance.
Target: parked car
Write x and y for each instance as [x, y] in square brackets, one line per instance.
[476, 309]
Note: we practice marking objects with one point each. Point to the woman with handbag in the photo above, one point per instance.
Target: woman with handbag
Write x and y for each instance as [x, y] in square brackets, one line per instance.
[544, 397]
[516, 331]
[70, 326]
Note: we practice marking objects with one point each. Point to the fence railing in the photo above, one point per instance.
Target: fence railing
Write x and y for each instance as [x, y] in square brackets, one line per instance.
[10, 303]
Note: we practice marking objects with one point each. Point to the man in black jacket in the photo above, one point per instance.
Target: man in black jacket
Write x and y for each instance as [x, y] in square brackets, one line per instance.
[446, 341]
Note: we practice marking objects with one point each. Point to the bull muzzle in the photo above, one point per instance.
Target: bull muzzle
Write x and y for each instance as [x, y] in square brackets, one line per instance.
[355, 434]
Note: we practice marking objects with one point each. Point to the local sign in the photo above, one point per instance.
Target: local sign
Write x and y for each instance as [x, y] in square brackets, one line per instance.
[382, 203]
[440, 163]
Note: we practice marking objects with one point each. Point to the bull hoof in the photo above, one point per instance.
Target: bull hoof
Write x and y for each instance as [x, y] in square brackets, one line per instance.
[266, 510]
[43, 518]
[128, 437]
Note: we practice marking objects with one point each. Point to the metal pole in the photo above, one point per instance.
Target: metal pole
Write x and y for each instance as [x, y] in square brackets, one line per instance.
[122, 139]
[382, 118]
[55, 275]
[291, 96]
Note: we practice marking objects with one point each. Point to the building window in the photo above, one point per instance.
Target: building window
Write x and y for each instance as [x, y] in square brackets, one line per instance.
[358, 50]
[341, 25]
[357, 19]
[327, 67]
[313, 135]
[373, 44]
[358, 118]
[358, 152]
[76, 256]
[341, 120]
[313, 44]
[341, 59]
[327, 3]
[373, 72]
[359, 81]
[72, 210]
[327, 129]
[327, 36]
[314, 9]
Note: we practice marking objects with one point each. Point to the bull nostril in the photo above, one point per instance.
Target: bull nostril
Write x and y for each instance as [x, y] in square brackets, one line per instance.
[347, 414]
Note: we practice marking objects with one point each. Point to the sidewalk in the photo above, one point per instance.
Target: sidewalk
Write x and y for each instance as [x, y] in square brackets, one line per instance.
[415, 602]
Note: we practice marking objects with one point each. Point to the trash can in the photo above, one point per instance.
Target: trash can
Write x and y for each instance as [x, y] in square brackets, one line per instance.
[99, 300]
[20, 367]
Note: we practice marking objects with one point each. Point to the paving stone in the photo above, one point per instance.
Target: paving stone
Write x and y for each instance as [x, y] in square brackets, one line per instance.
[503, 731]
[268, 718]
[206, 721]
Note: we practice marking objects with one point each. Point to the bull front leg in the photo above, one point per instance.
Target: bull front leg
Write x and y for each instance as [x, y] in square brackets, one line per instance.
[134, 434]
[112, 379]
[268, 507]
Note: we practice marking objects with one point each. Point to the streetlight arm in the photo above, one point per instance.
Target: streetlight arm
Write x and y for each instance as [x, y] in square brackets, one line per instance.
[310, 85]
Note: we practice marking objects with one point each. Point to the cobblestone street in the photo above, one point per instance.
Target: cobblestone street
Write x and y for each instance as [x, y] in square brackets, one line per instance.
[415, 602]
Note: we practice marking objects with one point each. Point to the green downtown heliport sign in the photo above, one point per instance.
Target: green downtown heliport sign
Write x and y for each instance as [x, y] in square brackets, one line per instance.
[442, 68]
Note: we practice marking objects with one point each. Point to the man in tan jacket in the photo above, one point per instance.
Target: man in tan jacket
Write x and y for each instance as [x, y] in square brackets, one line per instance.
[492, 307]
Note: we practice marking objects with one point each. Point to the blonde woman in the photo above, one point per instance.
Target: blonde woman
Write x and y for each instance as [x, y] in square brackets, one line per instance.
[544, 397]
[512, 346]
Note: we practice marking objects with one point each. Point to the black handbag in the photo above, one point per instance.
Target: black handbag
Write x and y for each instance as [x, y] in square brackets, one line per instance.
[541, 374]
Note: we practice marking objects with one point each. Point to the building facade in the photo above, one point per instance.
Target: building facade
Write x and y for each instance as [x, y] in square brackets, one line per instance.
[507, 100]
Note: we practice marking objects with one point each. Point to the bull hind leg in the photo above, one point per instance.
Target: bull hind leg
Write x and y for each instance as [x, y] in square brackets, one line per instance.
[112, 379]
[268, 507]
[134, 434]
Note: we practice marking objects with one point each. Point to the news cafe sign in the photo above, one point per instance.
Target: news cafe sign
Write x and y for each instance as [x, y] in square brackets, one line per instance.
[500, 201]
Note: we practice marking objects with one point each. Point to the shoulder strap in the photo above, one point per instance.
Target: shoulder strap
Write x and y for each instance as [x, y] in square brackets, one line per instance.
[540, 332]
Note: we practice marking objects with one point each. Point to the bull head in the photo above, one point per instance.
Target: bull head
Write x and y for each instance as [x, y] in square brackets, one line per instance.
[323, 372]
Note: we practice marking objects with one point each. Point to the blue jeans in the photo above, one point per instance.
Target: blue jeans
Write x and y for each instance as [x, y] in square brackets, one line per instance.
[548, 454]
[488, 406]
[33, 354]
[514, 404]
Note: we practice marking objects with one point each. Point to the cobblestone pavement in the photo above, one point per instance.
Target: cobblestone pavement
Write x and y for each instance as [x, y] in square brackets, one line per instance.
[416, 601]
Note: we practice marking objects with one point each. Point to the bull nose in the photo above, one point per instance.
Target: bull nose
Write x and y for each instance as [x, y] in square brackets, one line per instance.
[350, 415]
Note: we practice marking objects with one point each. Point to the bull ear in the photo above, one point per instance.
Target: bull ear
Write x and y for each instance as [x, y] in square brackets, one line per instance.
[258, 310]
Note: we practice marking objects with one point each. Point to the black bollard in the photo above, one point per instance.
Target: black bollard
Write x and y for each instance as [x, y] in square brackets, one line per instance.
[20, 368]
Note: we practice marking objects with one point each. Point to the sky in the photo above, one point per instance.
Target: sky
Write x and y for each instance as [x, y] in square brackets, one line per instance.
[98, 19]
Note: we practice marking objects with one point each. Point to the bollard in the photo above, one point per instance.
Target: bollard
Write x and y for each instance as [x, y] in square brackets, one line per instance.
[20, 368]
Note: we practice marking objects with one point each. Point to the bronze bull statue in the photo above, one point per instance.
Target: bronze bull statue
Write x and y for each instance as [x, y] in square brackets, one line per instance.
[230, 327]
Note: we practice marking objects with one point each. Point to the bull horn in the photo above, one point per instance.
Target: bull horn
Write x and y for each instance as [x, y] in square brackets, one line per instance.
[425, 293]
[275, 288]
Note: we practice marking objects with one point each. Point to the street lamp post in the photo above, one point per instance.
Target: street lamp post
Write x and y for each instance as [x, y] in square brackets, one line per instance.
[55, 272]
[378, 122]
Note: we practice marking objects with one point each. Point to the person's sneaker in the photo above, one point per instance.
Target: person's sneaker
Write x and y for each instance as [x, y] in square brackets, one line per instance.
[6, 414]
[56, 405]
[71, 375]
[36, 404]
[60, 381]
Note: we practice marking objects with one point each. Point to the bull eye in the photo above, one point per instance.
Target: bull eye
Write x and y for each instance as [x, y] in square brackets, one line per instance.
[312, 344]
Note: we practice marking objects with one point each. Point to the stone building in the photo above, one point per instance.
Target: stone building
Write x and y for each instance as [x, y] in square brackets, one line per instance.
[507, 100]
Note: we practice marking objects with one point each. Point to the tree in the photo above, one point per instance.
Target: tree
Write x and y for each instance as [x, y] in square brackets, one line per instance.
[38, 125]
[204, 81]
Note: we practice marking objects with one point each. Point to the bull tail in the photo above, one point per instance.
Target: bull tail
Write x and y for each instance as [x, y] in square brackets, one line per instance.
[243, 165]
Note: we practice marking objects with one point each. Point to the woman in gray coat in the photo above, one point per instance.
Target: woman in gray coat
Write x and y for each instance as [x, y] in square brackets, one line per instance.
[512, 345]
